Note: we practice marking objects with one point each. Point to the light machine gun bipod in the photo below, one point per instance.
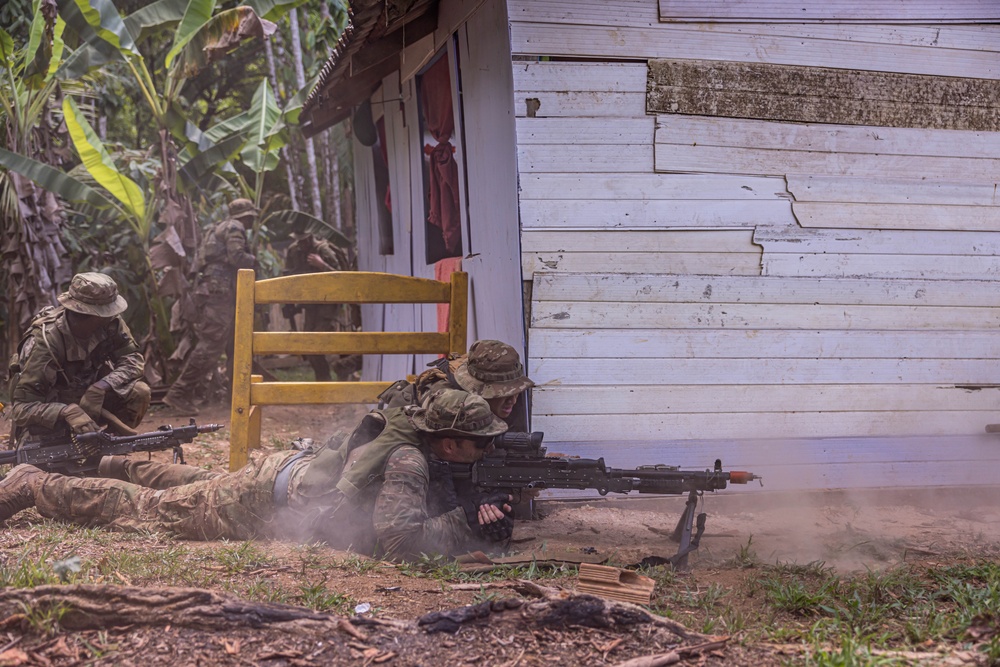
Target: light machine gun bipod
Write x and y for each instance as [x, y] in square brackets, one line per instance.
[519, 462]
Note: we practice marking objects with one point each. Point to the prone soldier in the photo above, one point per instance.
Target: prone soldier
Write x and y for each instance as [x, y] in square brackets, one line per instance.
[372, 493]
[77, 364]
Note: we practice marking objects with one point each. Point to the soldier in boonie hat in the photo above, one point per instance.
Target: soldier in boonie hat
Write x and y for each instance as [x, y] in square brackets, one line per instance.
[93, 294]
[239, 208]
[456, 413]
[492, 369]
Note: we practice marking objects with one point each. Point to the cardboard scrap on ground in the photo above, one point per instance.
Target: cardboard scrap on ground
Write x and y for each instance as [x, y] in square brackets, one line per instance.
[615, 583]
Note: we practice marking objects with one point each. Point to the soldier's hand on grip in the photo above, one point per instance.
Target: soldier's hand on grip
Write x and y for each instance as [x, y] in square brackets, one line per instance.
[93, 399]
[78, 420]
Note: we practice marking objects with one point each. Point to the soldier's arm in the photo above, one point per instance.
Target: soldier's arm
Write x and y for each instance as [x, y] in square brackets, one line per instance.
[128, 361]
[28, 398]
[430, 381]
[402, 525]
[236, 248]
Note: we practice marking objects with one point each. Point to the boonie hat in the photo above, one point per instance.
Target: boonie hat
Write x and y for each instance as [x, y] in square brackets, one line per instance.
[241, 207]
[453, 412]
[492, 369]
[93, 294]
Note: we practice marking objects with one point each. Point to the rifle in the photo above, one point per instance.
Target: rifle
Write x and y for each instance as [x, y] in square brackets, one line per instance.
[519, 462]
[80, 454]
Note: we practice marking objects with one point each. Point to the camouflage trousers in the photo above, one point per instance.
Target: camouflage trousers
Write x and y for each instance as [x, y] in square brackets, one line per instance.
[206, 506]
[214, 331]
[132, 408]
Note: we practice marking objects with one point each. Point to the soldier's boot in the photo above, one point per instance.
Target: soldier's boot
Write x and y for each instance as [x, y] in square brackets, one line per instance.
[180, 406]
[17, 490]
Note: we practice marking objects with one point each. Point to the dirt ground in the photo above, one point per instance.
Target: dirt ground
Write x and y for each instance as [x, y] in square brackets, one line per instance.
[848, 532]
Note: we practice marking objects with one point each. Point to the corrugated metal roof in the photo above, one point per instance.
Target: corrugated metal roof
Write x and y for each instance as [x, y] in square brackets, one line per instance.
[367, 51]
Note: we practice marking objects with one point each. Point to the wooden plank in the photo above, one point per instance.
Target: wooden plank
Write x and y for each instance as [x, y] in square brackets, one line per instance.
[898, 216]
[760, 343]
[351, 287]
[693, 43]
[796, 240]
[816, 138]
[721, 241]
[367, 342]
[241, 434]
[651, 186]
[598, 428]
[665, 288]
[595, 77]
[822, 95]
[741, 264]
[887, 11]
[585, 158]
[643, 14]
[636, 214]
[585, 131]
[742, 399]
[942, 267]
[768, 162]
[602, 105]
[887, 190]
[606, 315]
[566, 372]
[316, 393]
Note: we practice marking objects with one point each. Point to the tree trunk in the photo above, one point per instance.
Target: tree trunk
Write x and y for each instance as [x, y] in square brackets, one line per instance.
[300, 82]
[273, 77]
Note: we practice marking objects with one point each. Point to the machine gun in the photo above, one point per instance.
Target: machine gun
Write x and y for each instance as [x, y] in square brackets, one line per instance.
[519, 462]
[80, 454]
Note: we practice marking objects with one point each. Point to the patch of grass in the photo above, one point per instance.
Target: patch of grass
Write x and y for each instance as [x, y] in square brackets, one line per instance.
[849, 653]
[29, 570]
[45, 619]
[242, 557]
[359, 564]
[745, 556]
[794, 597]
[317, 596]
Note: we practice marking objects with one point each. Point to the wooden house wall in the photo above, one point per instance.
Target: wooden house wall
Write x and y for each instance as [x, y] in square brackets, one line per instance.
[701, 279]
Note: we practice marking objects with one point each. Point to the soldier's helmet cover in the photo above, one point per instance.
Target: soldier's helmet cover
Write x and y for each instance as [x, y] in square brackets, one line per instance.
[457, 413]
[492, 369]
[239, 208]
[93, 294]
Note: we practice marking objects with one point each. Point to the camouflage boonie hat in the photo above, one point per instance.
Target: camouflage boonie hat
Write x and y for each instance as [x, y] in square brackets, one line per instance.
[93, 294]
[453, 412]
[492, 370]
[241, 207]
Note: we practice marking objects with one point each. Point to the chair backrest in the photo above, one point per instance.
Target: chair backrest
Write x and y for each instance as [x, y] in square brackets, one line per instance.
[250, 392]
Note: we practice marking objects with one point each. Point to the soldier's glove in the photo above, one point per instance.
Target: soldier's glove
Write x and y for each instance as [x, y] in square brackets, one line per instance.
[494, 531]
[93, 399]
[78, 420]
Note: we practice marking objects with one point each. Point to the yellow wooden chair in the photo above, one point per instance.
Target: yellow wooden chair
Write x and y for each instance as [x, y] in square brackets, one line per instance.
[250, 392]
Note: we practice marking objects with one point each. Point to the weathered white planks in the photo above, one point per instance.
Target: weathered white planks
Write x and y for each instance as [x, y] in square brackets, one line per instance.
[897, 216]
[796, 240]
[604, 315]
[670, 41]
[585, 131]
[732, 264]
[657, 213]
[721, 241]
[576, 104]
[824, 138]
[821, 188]
[636, 158]
[742, 399]
[619, 187]
[683, 426]
[596, 77]
[766, 290]
[761, 343]
[887, 11]
[883, 266]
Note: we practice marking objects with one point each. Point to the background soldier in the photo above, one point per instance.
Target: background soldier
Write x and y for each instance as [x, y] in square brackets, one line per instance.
[223, 252]
[77, 364]
[308, 254]
[372, 493]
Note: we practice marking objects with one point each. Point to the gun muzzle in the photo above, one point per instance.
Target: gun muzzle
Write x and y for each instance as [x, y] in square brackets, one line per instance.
[743, 477]
[209, 428]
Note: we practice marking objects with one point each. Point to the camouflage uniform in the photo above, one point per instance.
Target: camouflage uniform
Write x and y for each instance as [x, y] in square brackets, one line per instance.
[372, 493]
[53, 368]
[491, 369]
[222, 253]
[319, 316]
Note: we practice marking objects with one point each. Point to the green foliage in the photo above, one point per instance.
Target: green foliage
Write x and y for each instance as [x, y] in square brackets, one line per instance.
[242, 557]
[317, 596]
